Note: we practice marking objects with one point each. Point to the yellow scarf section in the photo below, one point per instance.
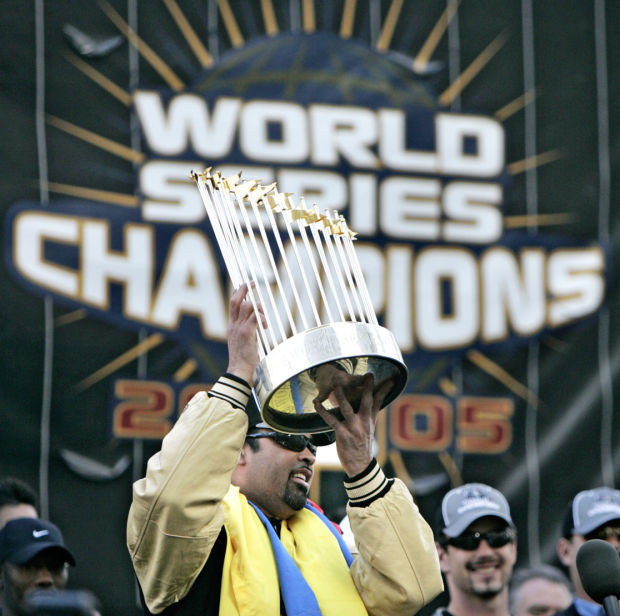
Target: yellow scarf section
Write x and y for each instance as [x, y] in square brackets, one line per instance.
[250, 584]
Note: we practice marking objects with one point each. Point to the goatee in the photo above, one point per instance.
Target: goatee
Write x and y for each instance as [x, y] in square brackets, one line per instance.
[294, 497]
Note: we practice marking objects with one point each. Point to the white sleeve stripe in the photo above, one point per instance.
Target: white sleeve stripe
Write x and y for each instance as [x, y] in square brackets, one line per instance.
[368, 487]
[231, 391]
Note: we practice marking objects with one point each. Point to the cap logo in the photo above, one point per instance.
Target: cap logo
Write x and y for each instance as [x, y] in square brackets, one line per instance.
[40, 533]
[603, 507]
[475, 503]
[473, 497]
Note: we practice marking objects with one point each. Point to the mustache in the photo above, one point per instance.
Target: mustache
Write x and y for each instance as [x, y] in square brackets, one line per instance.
[303, 467]
[485, 561]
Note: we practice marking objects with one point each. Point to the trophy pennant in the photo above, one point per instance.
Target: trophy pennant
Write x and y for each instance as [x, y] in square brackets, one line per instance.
[301, 268]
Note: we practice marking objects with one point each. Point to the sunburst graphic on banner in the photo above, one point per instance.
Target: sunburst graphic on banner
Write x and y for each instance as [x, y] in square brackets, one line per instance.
[237, 72]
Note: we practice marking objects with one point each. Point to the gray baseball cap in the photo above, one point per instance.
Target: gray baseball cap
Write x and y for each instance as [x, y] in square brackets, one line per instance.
[466, 504]
[593, 508]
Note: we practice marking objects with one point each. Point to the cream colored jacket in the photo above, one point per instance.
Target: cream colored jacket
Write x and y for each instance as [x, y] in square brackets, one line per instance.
[176, 515]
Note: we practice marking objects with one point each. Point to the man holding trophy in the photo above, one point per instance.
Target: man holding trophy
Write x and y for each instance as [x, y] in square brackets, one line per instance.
[221, 524]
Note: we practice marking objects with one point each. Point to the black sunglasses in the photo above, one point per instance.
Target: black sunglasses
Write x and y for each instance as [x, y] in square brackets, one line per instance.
[605, 533]
[471, 541]
[293, 442]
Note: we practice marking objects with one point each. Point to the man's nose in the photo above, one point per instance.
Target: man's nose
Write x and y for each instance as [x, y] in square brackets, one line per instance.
[43, 578]
[306, 454]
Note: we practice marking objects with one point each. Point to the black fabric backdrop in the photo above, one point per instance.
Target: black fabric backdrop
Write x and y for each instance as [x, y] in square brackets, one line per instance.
[564, 440]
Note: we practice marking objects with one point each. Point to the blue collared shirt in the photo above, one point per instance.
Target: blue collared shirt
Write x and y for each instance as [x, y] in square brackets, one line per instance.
[587, 608]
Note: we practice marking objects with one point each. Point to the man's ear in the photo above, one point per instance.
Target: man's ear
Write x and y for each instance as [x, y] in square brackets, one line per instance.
[513, 547]
[443, 558]
[243, 458]
[564, 549]
[238, 475]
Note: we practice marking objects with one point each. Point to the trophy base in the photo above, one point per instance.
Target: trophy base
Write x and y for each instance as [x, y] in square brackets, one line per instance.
[313, 363]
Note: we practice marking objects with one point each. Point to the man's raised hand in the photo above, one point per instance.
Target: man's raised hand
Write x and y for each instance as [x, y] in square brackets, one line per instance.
[355, 430]
[242, 342]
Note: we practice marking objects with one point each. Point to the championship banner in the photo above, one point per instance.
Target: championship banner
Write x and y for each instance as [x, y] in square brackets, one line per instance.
[471, 160]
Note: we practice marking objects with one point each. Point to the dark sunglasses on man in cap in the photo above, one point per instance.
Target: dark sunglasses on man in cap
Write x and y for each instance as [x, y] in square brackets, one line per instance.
[471, 540]
[296, 442]
[606, 533]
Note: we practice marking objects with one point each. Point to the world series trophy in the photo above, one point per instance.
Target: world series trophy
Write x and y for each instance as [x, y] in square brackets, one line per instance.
[301, 268]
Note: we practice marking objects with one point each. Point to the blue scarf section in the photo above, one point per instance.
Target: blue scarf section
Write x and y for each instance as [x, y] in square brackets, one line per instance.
[298, 598]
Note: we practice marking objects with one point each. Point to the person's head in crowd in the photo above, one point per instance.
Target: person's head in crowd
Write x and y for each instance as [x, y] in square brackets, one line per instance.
[540, 590]
[275, 469]
[33, 557]
[592, 514]
[17, 500]
[476, 541]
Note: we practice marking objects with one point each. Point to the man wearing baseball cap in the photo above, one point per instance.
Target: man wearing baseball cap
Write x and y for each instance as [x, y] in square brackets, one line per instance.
[476, 542]
[33, 557]
[592, 514]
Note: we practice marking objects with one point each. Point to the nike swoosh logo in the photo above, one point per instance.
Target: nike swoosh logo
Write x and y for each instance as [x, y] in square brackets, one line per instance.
[40, 533]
